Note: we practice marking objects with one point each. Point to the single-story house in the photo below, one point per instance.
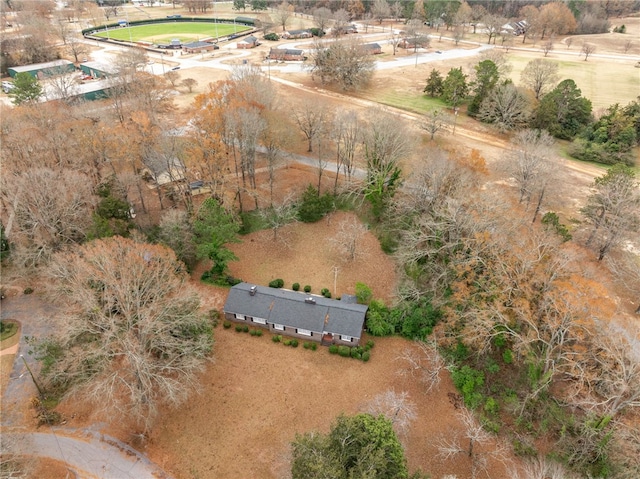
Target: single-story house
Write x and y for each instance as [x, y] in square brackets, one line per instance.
[415, 42]
[372, 48]
[286, 54]
[248, 42]
[297, 34]
[198, 47]
[40, 70]
[301, 315]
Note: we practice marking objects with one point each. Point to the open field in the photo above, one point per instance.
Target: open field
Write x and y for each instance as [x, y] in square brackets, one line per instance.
[185, 31]
[602, 80]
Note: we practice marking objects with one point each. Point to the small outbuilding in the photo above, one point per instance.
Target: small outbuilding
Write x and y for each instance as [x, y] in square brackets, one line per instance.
[301, 315]
[292, 34]
[415, 42]
[372, 48]
[97, 69]
[41, 70]
[199, 47]
[286, 54]
[248, 42]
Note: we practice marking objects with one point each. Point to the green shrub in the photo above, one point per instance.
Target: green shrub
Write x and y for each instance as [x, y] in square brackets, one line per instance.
[294, 343]
[287, 342]
[239, 328]
[276, 283]
[295, 286]
[363, 293]
[306, 345]
[317, 32]
[370, 344]
[379, 319]
[553, 222]
[468, 381]
[307, 288]
[344, 351]
[313, 206]
[333, 349]
[256, 332]
[491, 406]
[507, 356]
[325, 292]
[226, 324]
[276, 338]
[314, 346]
[28, 290]
[245, 328]
[273, 37]
[365, 356]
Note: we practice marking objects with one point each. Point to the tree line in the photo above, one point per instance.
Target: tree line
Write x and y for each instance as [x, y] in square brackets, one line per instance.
[541, 103]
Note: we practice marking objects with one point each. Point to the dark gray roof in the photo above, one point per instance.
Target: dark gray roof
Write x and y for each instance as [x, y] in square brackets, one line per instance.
[197, 44]
[250, 39]
[372, 46]
[289, 308]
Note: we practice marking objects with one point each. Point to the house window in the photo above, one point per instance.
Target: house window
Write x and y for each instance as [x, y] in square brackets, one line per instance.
[240, 316]
[304, 332]
[259, 320]
[278, 327]
[344, 337]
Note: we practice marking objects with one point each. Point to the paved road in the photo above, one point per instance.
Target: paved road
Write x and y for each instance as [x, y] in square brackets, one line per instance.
[87, 454]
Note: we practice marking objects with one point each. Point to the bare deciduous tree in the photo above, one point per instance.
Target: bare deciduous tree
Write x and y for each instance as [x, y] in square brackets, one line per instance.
[547, 46]
[380, 10]
[189, 84]
[434, 121]
[311, 119]
[133, 337]
[347, 239]
[613, 209]
[625, 267]
[479, 448]
[529, 164]
[49, 211]
[540, 75]
[396, 407]
[282, 14]
[172, 77]
[346, 135]
[279, 215]
[321, 18]
[423, 363]
[345, 63]
[505, 107]
[587, 49]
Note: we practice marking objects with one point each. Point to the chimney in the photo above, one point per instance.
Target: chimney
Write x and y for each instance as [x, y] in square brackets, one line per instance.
[253, 290]
[309, 300]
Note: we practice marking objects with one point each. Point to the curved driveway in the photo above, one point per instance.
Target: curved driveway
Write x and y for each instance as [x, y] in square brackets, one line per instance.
[87, 453]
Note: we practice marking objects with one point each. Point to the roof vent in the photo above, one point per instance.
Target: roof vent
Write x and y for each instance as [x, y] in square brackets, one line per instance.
[253, 290]
[309, 300]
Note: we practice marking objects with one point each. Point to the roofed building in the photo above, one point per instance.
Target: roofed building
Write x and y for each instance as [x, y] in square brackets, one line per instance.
[40, 70]
[310, 317]
[286, 54]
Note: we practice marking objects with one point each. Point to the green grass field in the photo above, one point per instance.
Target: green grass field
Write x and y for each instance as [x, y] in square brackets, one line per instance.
[601, 80]
[163, 32]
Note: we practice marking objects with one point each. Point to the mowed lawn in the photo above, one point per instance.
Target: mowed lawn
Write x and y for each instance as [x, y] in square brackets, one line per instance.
[604, 81]
[185, 31]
